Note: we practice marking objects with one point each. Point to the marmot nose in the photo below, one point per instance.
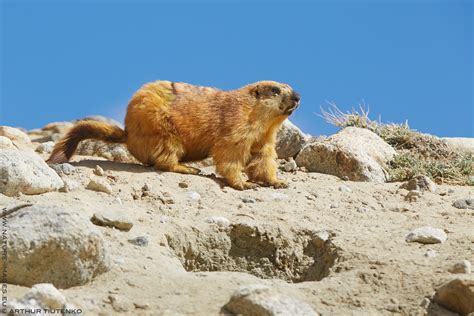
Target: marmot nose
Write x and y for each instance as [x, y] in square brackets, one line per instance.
[295, 97]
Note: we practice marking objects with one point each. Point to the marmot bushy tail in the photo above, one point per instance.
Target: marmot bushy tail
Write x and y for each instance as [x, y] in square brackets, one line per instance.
[170, 123]
[64, 149]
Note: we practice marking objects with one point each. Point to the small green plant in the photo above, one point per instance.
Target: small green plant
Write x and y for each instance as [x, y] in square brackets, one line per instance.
[417, 153]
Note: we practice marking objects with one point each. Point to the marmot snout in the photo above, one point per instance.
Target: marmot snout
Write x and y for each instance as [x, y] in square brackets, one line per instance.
[170, 123]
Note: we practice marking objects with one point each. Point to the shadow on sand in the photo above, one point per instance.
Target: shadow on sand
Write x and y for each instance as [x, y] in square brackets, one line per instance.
[135, 168]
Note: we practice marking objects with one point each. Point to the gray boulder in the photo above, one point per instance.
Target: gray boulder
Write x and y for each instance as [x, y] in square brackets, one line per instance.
[354, 153]
[463, 144]
[47, 244]
[113, 152]
[290, 140]
[23, 171]
[259, 300]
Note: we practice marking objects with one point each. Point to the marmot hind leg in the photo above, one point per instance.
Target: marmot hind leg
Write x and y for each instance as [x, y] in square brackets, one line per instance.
[167, 156]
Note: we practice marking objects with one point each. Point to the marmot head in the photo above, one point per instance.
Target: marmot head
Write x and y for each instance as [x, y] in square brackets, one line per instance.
[277, 98]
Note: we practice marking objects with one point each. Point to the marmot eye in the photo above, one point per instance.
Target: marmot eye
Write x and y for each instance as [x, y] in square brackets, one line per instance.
[276, 90]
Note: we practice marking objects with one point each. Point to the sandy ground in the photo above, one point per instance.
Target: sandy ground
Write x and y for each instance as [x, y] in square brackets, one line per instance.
[366, 266]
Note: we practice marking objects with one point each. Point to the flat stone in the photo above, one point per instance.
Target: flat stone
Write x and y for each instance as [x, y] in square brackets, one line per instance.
[464, 204]
[427, 235]
[141, 241]
[278, 197]
[218, 220]
[112, 218]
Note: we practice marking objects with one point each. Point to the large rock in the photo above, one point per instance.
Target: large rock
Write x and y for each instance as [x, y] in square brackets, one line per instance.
[23, 171]
[47, 244]
[457, 294]
[14, 134]
[50, 132]
[258, 300]
[463, 144]
[114, 152]
[43, 296]
[290, 140]
[355, 153]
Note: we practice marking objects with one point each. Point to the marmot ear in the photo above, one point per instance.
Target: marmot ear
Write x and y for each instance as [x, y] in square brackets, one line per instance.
[255, 92]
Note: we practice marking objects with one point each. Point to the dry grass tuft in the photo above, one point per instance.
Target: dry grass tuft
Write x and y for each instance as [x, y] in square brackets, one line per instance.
[417, 153]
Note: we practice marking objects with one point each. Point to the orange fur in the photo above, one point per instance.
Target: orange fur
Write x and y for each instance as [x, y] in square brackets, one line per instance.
[171, 123]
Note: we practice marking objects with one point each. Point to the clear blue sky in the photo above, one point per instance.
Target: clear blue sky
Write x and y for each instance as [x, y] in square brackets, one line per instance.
[62, 60]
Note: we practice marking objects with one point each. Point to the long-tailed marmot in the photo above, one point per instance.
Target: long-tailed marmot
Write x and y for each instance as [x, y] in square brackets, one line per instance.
[169, 123]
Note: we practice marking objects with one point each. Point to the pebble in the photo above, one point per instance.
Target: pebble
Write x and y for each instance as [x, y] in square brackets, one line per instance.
[362, 209]
[98, 171]
[99, 185]
[248, 200]
[119, 303]
[69, 185]
[427, 235]
[290, 165]
[425, 303]
[146, 188]
[183, 185]
[45, 148]
[278, 197]
[63, 169]
[334, 205]
[461, 267]
[431, 253]
[218, 220]
[194, 196]
[464, 204]
[141, 241]
[141, 305]
[345, 188]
